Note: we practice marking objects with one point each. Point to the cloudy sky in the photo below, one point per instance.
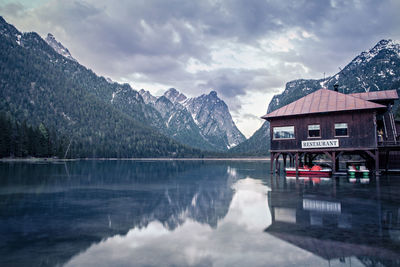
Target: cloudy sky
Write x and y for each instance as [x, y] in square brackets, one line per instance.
[246, 50]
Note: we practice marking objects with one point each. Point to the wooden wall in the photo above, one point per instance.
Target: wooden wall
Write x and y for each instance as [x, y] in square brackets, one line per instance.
[361, 129]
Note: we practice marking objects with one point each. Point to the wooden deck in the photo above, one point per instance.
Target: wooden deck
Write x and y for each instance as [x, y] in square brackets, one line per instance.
[391, 145]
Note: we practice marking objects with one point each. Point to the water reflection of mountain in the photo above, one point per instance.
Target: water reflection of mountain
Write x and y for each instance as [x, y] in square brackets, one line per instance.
[337, 220]
[48, 213]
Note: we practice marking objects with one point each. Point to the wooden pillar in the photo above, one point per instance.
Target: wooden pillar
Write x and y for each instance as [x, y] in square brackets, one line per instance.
[272, 162]
[297, 164]
[313, 157]
[294, 160]
[377, 163]
[284, 160]
[387, 159]
[333, 162]
[338, 155]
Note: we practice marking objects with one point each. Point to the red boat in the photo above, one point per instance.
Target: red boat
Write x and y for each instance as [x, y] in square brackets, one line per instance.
[315, 171]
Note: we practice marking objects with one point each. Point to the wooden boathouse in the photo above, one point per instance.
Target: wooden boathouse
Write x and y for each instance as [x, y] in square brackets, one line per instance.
[333, 124]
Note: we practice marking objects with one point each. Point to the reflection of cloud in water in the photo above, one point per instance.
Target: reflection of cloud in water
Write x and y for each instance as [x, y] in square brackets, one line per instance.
[237, 240]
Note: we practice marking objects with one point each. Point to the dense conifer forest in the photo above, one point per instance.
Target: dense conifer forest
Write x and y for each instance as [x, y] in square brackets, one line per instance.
[22, 140]
[40, 89]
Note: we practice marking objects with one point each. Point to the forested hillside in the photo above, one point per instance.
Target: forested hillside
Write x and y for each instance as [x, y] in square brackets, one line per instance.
[257, 145]
[22, 140]
[39, 86]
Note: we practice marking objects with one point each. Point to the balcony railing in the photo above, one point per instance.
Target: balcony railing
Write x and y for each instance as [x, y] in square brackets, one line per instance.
[388, 143]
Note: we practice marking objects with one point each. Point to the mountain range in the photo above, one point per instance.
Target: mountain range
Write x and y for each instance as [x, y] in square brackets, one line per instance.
[40, 86]
[41, 83]
[203, 122]
[373, 70]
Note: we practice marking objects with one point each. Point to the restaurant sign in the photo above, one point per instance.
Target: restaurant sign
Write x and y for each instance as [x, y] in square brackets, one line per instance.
[320, 143]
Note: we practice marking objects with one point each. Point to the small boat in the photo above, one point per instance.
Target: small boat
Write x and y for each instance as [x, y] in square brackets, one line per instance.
[315, 171]
[354, 171]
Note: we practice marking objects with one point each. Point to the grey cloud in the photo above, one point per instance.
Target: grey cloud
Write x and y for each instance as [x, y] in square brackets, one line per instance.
[229, 82]
[345, 30]
[233, 82]
[12, 9]
[106, 37]
[251, 116]
[150, 28]
[153, 41]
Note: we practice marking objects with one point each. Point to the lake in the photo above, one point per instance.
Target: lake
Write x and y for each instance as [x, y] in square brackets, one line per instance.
[192, 213]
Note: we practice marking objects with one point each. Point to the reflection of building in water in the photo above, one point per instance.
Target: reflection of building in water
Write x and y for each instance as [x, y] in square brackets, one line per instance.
[338, 223]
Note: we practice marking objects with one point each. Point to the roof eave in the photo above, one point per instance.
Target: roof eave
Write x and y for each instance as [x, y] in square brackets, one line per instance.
[266, 117]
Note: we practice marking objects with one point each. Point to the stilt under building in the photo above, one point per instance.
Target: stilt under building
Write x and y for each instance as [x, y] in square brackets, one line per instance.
[334, 125]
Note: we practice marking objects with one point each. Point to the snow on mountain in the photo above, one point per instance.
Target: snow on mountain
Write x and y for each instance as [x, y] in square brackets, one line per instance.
[58, 47]
[177, 121]
[174, 95]
[147, 97]
[373, 70]
[205, 117]
[10, 31]
[214, 119]
[366, 56]
[109, 80]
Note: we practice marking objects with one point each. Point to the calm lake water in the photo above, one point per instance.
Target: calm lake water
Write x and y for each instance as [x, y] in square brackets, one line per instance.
[192, 213]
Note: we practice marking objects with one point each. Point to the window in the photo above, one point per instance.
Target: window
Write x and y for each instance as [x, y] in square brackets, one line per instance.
[341, 129]
[286, 132]
[314, 130]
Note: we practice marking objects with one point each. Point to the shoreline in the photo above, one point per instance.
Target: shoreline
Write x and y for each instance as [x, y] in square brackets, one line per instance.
[51, 160]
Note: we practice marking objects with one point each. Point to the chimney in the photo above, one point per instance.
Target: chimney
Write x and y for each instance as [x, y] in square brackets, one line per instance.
[336, 87]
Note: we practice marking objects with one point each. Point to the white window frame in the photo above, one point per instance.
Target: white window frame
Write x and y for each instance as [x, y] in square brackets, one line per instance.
[281, 127]
[308, 131]
[336, 127]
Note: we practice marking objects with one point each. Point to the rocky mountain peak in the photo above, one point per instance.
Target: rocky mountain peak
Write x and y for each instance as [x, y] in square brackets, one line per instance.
[51, 37]
[9, 30]
[368, 55]
[147, 96]
[58, 47]
[387, 44]
[203, 121]
[212, 115]
[213, 94]
[174, 95]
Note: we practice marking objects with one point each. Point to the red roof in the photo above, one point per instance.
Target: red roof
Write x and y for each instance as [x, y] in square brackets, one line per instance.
[378, 95]
[322, 101]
